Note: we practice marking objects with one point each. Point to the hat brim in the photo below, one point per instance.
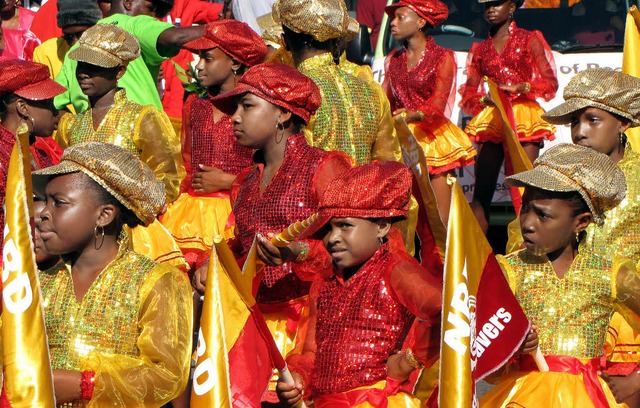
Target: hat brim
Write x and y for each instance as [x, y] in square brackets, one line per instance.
[95, 57]
[561, 114]
[41, 177]
[313, 228]
[46, 89]
[200, 44]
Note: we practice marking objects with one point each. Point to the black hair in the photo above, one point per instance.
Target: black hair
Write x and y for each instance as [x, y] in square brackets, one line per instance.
[103, 197]
[162, 7]
[298, 42]
[6, 100]
[573, 198]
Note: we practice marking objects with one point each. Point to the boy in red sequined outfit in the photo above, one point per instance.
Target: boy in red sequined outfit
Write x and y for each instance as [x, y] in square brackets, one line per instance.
[361, 313]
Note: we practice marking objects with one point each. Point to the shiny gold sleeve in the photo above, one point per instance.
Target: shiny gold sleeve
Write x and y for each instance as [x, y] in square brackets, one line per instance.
[307, 130]
[161, 371]
[626, 292]
[386, 146]
[160, 149]
[61, 136]
[508, 272]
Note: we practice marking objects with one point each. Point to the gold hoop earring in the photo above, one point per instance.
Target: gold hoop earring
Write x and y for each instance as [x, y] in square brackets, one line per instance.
[622, 139]
[381, 240]
[97, 235]
[31, 120]
[280, 127]
[578, 237]
[235, 76]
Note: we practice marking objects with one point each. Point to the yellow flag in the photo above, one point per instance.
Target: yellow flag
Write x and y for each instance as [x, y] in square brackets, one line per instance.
[28, 381]
[631, 62]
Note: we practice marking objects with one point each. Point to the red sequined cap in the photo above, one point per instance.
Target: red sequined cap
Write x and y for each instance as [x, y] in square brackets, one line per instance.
[28, 79]
[279, 84]
[434, 11]
[234, 38]
[359, 324]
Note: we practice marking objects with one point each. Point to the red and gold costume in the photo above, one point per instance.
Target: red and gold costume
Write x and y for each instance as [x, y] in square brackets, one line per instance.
[192, 217]
[429, 87]
[526, 57]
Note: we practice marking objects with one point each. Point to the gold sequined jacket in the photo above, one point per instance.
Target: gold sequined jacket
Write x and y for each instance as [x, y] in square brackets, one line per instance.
[143, 130]
[132, 327]
[355, 115]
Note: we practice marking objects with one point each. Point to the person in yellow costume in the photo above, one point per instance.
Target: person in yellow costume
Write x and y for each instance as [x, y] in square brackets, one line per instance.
[600, 105]
[103, 54]
[566, 290]
[118, 323]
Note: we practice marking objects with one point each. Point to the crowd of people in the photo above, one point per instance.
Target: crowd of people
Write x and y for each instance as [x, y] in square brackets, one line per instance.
[156, 125]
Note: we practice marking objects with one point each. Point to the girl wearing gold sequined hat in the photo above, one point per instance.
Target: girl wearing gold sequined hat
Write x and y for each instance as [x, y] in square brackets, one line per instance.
[567, 292]
[600, 106]
[118, 323]
[420, 83]
[520, 62]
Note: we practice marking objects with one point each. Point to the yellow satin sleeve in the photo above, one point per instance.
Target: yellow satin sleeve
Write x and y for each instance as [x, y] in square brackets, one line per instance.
[626, 292]
[160, 149]
[387, 145]
[61, 136]
[161, 371]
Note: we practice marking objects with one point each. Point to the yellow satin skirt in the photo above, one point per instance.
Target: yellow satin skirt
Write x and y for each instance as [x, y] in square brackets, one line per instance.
[446, 147]
[549, 389]
[399, 400]
[192, 220]
[487, 125]
[156, 243]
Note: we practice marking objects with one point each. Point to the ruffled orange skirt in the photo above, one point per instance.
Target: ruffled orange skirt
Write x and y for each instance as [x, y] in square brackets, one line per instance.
[445, 148]
[531, 128]
[549, 389]
[156, 243]
[344, 400]
[192, 221]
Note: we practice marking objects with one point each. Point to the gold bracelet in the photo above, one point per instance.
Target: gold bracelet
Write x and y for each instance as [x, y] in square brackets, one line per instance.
[483, 100]
[304, 252]
[527, 87]
[420, 116]
[408, 354]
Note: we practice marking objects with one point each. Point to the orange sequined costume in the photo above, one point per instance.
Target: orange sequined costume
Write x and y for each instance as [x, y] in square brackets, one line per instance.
[355, 325]
[429, 87]
[132, 328]
[193, 216]
[572, 314]
[526, 58]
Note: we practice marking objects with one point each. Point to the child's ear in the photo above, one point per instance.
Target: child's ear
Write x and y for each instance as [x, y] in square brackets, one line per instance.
[383, 228]
[583, 220]
[108, 213]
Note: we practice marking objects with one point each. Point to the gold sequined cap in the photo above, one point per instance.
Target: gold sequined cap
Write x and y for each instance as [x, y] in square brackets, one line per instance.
[107, 46]
[121, 173]
[321, 19]
[272, 31]
[568, 167]
[602, 88]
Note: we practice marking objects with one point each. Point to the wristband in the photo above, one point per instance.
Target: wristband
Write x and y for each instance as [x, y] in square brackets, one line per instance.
[87, 379]
[527, 87]
[484, 100]
[304, 252]
[420, 115]
[408, 354]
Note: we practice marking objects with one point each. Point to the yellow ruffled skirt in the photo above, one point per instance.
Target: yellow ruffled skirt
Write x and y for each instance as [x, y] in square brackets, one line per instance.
[398, 400]
[192, 220]
[156, 243]
[543, 389]
[487, 125]
[445, 148]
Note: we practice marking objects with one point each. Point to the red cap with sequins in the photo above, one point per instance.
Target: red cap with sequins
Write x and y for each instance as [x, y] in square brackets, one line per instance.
[234, 38]
[374, 190]
[434, 11]
[278, 84]
[27, 79]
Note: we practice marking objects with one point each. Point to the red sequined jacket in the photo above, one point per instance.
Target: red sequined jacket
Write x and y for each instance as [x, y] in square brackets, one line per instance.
[291, 196]
[526, 57]
[429, 87]
[355, 325]
[209, 143]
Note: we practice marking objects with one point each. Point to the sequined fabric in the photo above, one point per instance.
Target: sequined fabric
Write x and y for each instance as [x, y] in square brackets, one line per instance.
[572, 314]
[434, 11]
[289, 197]
[350, 113]
[106, 45]
[142, 130]
[526, 57]
[213, 143]
[27, 79]
[359, 324]
[117, 330]
[321, 19]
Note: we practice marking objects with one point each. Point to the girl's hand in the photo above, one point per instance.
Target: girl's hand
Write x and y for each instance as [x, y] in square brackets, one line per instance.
[290, 394]
[66, 385]
[622, 387]
[272, 255]
[398, 367]
[530, 343]
[199, 279]
[514, 89]
[211, 180]
[409, 116]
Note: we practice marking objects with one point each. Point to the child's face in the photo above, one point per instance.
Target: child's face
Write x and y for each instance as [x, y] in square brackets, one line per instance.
[597, 129]
[499, 11]
[214, 68]
[69, 215]
[547, 225]
[97, 81]
[254, 122]
[405, 23]
[45, 117]
[42, 256]
[352, 241]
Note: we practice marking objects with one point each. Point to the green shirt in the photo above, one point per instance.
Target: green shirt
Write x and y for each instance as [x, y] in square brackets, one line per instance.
[141, 78]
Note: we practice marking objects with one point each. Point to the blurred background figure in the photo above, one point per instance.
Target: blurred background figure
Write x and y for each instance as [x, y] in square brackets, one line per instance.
[16, 41]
